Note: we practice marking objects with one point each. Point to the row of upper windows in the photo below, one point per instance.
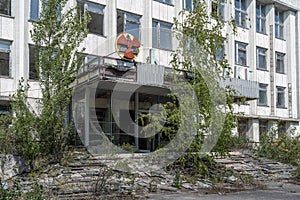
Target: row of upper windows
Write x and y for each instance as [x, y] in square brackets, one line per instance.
[241, 15]
[5, 60]
[126, 22]
[261, 57]
[263, 96]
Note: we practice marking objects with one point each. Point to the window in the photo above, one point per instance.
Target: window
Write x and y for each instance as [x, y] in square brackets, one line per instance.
[220, 52]
[32, 63]
[279, 24]
[241, 53]
[5, 7]
[242, 127]
[129, 23]
[217, 8]
[261, 58]
[161, 35]
[169, 2]
[279, 62]
[260, 18]
[263, 127]
[5, 108]
[240, 13]
[280, 97]
[96, 11]
[263, 100]
[5, 58]
[34, 10]
[187, 5]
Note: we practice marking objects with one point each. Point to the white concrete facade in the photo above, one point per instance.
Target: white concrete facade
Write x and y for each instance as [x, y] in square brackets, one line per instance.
[15, 29]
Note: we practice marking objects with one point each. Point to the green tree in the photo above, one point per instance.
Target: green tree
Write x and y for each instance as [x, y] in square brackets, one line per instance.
[200, 36]
[57, 36]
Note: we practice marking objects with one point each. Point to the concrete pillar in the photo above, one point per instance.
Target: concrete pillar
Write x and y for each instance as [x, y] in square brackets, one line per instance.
[87, 117]
[110, 22]
[20, 32]
[136, 127]
[253, 132]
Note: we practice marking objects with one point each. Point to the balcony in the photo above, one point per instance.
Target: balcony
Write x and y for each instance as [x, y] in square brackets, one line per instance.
[244, 88]
[113, 69]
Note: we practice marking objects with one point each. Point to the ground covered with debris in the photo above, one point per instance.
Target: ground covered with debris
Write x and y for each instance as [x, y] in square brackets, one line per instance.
[86, 177]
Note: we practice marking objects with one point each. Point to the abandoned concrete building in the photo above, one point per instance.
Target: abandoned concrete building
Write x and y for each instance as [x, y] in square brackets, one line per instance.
[264, 56]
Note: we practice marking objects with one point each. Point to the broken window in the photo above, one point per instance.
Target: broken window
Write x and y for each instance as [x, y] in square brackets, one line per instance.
[32, 63]
[96, 12]
[128, 23]
[5, 7]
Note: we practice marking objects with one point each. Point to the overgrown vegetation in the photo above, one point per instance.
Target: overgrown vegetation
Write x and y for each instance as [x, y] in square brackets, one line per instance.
[15, 192]
[200, 37]
[45, 131]
[279, 147]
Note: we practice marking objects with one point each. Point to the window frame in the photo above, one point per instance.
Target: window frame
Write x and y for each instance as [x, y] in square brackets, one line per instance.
[126, 20]
[264, 54]
[8, 8]
[32, 63]
[157, 32]
[218, 9]
[280, 94]
[5, 47]
[261, 18]
[279, 24]
[240, 11]
[239, 48]
[263, 89]
[84, 7]
[168, 2]
[280, 57]
[34, 16]
[220, 51]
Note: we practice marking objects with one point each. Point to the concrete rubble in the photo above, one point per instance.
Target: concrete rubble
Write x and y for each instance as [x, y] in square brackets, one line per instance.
[85, 176]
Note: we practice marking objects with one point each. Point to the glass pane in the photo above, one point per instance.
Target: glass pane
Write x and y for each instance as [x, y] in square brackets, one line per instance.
[237, 18]
[5, 45]
[258, 25]
[258, 10]
[221, 11]
[263, 26]
[276, 16]
[280, 32]
[154, 35]
[262, 97]
[243, 19]
[276, 31]
[132, 18]
[165, 38]
[32, 63]
[133, 29]
[262, 61]
[263, 11]
[4, 64]
[120, 23]
[220, 53]
[243, 4]
[242, 58]
[34, 10]
[188, 4]
[95, 8]
[96, 23]
[237, 4]
[5, 7]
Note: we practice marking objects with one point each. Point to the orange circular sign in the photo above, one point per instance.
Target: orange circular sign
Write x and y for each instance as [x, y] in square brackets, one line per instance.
[127, 46]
